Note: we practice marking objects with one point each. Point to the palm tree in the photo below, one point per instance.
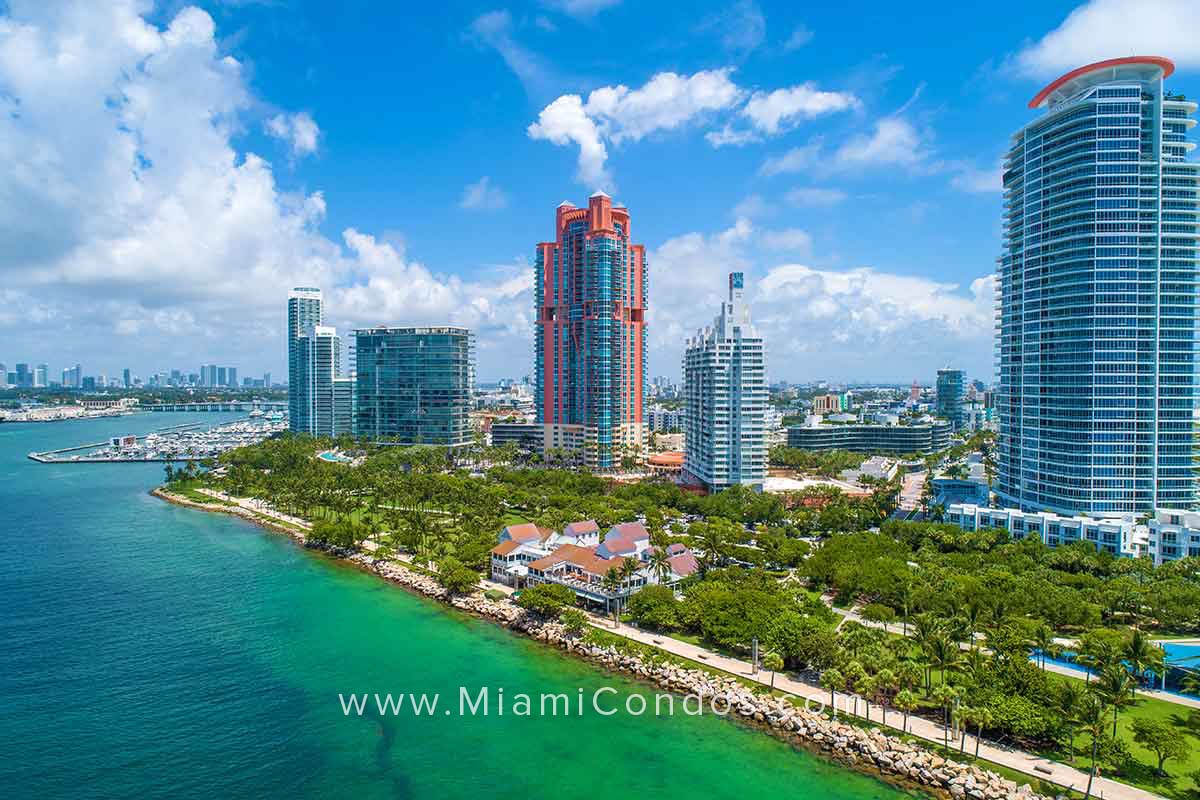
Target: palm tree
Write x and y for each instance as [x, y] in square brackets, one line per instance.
[856, 637]
[982, 717]
[856, 677]
[1043, 640]
[660, 564]
[1071, 697]
[1113, 687]
[1143, 655]
[963, 715]
[886, 682]
[611, 582]
[1093, 716]
[972, 615]
[975, 663]
[944, 654]
[906, 701]
[1096, 654]
[833, 680]
[1190, 683]
[867, 686]
[909, 674]
[774, 662]
[945, 696]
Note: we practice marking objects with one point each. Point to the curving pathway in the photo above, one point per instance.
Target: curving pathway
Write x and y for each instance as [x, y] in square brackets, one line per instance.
[918, 727]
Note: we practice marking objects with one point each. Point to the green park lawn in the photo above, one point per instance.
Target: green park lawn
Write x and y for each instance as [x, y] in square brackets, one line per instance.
[1179, 782]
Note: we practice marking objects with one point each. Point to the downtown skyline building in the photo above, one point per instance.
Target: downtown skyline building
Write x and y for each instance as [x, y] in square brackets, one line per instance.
[725, 395]
[1097, 321]
[590, 345]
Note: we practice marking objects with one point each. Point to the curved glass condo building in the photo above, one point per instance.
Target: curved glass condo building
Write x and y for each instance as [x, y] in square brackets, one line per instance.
[1097, 297]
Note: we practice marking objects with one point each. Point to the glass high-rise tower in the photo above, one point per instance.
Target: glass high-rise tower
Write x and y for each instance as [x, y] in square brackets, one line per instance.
[318, 355]
[414, 386]
[590, 350]
[1097, 297]
[304, 312]
[951, 396]
[725, 388]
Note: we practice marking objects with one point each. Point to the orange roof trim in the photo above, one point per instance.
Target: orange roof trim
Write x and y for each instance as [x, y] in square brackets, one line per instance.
[1167, 65]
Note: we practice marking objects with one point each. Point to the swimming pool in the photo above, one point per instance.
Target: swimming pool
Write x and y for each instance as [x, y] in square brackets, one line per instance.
[1182, 654]
[334, 458]
[1178, 657]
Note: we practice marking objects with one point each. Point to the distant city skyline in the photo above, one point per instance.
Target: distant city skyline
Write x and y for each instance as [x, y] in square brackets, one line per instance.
[23, 374]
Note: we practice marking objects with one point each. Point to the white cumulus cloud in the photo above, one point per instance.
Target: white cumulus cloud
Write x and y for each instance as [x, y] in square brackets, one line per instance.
[859, 322]
[298, 130]
[893, 141]
[771, 112]
[129, 211]
[1102, 29]
[483, 195]
[564, 122]
[670, 101]
[667, 101]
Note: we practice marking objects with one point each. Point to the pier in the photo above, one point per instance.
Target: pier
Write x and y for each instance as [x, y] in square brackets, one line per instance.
[227, 405]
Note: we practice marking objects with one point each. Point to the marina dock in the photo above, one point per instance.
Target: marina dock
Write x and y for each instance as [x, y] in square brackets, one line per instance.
[189, 442]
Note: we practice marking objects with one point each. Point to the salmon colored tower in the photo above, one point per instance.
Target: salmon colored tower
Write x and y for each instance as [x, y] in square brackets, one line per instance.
[590, 298]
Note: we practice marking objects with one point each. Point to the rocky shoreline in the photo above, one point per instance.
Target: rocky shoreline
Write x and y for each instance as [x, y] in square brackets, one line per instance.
[870, 750]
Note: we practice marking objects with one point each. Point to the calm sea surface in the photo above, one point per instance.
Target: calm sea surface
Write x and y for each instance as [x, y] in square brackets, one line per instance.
[153, 651]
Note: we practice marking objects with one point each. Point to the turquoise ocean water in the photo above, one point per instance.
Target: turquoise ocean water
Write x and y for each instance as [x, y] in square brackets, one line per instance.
[150, 651]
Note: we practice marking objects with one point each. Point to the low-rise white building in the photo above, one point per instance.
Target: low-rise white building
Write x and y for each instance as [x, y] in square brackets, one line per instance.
[1174, 534]
[1119, 536]
[1171, 534]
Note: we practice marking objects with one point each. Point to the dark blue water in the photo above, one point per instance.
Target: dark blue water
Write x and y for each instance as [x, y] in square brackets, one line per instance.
[150, 651]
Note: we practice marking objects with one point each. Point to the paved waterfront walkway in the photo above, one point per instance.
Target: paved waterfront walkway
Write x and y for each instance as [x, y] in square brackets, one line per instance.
[258, 507]
[918, 727]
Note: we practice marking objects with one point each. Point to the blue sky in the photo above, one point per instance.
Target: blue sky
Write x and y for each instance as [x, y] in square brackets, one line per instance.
[168, 171]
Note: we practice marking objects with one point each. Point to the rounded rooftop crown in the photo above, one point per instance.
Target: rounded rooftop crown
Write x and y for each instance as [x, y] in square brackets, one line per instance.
[1075, 81]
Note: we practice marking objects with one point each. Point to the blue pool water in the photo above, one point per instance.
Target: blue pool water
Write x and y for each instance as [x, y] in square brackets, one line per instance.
[1178, 658]
[1183, 655]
